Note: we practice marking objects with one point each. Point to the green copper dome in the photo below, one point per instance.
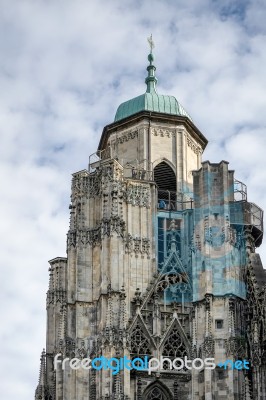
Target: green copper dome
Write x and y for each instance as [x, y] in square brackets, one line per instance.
[151, 100]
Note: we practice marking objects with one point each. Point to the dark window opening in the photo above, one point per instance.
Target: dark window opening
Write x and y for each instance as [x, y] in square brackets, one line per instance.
[165, 177]
[220, 375]
[219, 323]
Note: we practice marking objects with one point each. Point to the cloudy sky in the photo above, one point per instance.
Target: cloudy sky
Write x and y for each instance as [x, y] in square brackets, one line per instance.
[65, 66]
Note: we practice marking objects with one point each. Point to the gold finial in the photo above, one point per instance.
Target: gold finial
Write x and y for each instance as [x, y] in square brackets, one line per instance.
[151, 42]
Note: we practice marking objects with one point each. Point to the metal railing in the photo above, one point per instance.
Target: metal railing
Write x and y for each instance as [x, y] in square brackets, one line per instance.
[137, 173]
[256, 217]
[240, 191]
[245, 213]
[173, 201]
[96, 158]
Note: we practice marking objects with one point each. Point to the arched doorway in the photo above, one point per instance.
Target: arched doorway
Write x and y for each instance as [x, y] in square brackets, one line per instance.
[157, 391]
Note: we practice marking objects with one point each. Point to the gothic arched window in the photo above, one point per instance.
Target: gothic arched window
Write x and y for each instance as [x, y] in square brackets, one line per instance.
[174, 348]
[165, 177]
[157, 392]
[139, 342]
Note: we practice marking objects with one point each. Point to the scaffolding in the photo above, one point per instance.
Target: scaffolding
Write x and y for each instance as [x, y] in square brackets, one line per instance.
[240, 191]
[96, 159]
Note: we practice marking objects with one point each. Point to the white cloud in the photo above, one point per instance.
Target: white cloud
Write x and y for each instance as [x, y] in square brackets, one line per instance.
[65, 67]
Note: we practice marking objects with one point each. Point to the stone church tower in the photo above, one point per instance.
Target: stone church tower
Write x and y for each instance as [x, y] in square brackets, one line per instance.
[160, 262]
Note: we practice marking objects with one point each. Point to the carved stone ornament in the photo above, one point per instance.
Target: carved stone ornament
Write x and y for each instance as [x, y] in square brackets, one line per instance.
[236, 346]
[138, 195]
[137, 245]
[208, 347]
[94, 236]
[125, 137]
[194, 146]
[56, 296]
[162, 132]
[92, 184]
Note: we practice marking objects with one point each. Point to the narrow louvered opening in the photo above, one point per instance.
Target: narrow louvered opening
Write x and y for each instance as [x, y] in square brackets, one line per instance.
[164, 176]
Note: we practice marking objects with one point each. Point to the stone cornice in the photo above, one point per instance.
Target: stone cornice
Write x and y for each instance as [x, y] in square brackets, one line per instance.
[152, 117]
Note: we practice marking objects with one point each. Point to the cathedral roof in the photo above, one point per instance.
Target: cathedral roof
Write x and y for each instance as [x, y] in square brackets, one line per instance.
[150, 100]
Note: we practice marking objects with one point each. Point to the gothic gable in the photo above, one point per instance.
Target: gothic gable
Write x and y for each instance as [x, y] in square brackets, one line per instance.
[172, 279]
[175, 343]
[140, 339]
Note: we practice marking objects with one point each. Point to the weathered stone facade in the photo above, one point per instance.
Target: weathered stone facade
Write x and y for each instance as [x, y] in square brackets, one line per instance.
[155, 271]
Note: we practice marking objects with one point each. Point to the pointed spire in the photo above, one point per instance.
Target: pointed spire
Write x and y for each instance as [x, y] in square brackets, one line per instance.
[151, 80]
[42, 368]
[122, 309]
[40, 390]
